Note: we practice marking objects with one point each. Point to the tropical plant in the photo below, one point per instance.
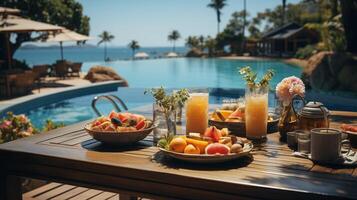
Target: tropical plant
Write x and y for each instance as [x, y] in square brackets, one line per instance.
[105, 37]
[283, 11]
[173, 37]
[50, 125]
[232, 35]
[217, 5]
[349, 14]
[13, 127]
[201, 40]
[210, 44]
[305, 52]
[67, 13]
[134, 45]
[192, 42]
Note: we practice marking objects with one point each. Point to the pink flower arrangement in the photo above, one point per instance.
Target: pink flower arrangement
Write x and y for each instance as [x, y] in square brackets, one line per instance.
[5, 124]
[288, 88]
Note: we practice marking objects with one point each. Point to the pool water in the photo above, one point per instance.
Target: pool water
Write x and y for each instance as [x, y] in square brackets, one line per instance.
[79, 109]
[220, 74]
[194, 72]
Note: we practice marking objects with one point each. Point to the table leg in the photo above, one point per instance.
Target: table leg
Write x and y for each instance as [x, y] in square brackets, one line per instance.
[10, 188]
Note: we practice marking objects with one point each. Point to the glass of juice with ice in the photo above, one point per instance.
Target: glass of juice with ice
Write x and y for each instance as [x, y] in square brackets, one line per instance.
[197, 113]
[256, 112]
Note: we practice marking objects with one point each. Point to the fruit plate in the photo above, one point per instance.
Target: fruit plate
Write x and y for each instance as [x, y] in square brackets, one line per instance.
[204, 158]
[238, 128]
[119, 138]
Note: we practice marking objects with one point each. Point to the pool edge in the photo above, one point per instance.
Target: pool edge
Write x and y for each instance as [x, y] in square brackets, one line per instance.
[20, 105]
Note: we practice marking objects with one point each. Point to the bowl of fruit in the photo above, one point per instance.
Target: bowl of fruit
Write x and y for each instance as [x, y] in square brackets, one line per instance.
[120, 128]
[214, 146]
[232, 116]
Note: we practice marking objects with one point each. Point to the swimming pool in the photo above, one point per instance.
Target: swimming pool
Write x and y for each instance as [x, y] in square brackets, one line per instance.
[78, 109]
[194, 72]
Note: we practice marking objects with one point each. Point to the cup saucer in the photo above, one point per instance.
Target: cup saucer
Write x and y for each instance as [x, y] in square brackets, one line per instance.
[346, 160]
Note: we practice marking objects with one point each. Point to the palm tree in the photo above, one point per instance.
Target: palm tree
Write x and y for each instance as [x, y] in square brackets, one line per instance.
[210, 44]
[217, 5]
[173, 36]
[192, 42]
[283, 12]
[105, 37]
[134, 45]
[201, 39]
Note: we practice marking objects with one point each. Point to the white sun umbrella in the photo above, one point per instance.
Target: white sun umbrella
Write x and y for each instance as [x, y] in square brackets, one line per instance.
[15, 24]
[4, 10]
[66, 35]
[172, 55]
[141, 55]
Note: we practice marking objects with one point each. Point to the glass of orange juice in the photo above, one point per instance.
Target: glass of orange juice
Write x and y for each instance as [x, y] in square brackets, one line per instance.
[197, 113]
[256, 112]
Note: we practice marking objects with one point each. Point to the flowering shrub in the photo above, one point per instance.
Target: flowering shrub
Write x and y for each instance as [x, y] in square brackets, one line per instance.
[13, 127]
[50, 125]
[288, 88]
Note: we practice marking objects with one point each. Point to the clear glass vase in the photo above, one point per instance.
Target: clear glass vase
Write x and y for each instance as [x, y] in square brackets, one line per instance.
[165, 122]
[287, 121]
[256, 112]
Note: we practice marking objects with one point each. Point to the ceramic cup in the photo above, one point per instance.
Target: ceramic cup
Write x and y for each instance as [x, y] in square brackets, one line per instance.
[326, 144]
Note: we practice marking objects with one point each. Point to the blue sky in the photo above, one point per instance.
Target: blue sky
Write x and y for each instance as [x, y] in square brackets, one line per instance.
[150, 21]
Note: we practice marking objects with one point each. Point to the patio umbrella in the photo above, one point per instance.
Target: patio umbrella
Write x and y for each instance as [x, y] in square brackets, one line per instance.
[4, 10]
[64, 36]
[15, 24]
[141, 55]
[172, 55]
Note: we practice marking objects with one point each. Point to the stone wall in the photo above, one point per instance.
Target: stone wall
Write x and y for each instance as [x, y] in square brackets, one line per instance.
[102, 73]
[331, 71]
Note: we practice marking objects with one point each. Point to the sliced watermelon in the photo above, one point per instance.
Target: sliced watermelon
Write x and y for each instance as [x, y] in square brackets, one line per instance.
[123, 117]
[141, 125]
[112, 114]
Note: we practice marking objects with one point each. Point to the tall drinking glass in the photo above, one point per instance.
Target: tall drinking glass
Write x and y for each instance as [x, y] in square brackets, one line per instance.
[256, 112]
[197, 113]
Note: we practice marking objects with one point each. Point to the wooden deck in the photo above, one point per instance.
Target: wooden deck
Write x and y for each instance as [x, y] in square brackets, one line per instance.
[70, 156]
[57, 191]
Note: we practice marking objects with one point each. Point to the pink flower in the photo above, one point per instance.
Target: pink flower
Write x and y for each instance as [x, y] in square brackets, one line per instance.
[22, 118]
[5, 124]
[288, 88]
[29, 129]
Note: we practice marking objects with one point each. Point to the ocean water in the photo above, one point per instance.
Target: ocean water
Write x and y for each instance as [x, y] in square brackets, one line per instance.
[86, 54]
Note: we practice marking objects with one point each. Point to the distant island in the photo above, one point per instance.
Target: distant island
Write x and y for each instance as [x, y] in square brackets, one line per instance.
[56, 46]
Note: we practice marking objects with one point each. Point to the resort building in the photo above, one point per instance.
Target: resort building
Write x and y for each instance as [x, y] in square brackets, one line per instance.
[286, 40]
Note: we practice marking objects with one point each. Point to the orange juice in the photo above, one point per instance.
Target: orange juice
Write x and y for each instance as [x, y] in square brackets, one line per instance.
[197, 113]
[256, 115]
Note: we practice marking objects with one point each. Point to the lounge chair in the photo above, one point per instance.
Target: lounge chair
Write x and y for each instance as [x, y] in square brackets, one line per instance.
[40, 72]
[61, 69]
[22, 83]
[76, 69]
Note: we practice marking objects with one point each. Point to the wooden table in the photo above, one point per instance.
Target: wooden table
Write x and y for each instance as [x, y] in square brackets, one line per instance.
[69, 155]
